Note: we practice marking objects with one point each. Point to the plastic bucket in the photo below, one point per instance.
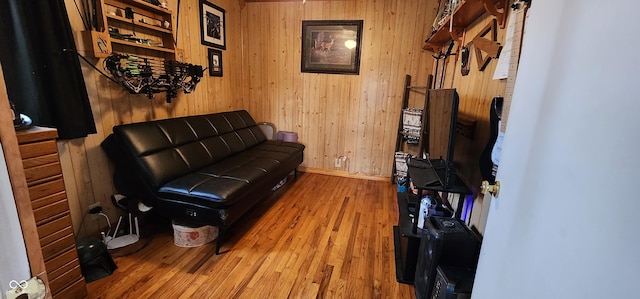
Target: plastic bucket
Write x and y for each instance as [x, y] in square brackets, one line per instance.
[186, 236]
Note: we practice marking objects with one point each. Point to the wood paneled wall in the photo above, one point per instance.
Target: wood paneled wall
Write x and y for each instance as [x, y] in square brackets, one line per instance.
[86, 169]
[336, 115]
[476, 92]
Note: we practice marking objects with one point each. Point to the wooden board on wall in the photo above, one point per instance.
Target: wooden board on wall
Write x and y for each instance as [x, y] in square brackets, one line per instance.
[337, 115]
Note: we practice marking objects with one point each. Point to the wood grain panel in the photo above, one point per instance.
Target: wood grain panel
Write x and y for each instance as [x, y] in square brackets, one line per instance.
[50, 212]
[56, 229]
[58, 247]
[65, 279]
[43, 173]
[62, 259]
[30, 150]
[63, 269]
[336, 115]
[46, 189]
[41, 160]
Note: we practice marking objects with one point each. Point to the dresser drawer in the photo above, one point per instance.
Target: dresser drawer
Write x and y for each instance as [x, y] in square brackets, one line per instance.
[48, 188]
[51, 212]
[57, 262]
[35, 149]
[54, 230]
[65, 279]
[53, 227]
[41, 160]
[58, 247]
[55, 273]
[47, 200]
[43, 173]
[43, 170]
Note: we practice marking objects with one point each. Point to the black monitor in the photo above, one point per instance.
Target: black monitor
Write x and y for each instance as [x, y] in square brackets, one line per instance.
[442, 113]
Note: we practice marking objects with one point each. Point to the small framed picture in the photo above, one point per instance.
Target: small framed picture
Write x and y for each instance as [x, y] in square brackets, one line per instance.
[215, 63]
[212, 25]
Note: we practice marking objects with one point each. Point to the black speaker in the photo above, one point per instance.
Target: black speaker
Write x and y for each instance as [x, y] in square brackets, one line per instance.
[453, 283]
[444, 242]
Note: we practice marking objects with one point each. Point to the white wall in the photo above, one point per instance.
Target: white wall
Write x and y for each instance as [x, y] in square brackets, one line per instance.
[565, 224]
[14, 264]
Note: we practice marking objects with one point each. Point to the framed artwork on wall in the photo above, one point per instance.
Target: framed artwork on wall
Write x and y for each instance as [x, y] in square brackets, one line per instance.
[212, 25]
[331, 47]
[215, 63]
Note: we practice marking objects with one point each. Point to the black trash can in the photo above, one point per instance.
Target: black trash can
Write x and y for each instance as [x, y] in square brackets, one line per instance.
[95, 260]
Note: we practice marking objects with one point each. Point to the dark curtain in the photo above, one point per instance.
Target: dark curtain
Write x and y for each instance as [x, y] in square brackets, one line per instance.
[41, 67]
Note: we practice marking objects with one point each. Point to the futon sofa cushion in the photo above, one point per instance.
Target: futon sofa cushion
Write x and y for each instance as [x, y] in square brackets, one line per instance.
[222, 184]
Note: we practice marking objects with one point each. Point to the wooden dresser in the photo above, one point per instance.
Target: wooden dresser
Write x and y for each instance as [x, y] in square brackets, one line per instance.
[51, 211]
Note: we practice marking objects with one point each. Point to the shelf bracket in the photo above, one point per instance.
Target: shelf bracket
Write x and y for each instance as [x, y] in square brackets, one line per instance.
[497, 8]
[456, 34]
[489, 46]
[432, 47]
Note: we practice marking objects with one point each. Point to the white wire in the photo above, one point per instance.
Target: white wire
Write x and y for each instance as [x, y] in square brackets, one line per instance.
[108, 221]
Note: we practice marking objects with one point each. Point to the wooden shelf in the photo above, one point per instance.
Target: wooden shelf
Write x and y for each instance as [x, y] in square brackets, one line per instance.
[111, 15]
[140, 24]
[138, 4]
[464, 14]
[147, 47]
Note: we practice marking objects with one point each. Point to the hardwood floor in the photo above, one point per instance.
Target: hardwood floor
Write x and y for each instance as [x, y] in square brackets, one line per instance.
[320, 237]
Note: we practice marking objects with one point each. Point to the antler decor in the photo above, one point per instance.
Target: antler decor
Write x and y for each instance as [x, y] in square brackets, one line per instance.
[149, 76]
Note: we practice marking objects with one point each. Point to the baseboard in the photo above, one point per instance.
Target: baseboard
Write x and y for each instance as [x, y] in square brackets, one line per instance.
[342, 173]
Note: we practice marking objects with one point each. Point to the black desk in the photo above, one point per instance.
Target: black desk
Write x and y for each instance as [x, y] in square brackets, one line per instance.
[417, 176]
[406, 237]
[405, 242]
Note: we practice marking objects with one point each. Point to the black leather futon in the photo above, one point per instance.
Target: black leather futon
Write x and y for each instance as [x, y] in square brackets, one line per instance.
[205, 169]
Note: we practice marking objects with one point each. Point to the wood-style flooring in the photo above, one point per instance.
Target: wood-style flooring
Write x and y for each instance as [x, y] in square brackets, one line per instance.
[320, 237]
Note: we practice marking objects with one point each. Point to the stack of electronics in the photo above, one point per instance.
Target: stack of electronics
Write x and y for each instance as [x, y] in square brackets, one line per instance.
[447, 259]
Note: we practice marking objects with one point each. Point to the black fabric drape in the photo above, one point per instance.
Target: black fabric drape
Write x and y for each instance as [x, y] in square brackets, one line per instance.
[41, 68]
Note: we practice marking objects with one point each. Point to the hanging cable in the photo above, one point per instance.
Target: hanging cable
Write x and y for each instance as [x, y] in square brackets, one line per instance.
[175, 41]
[90, 64]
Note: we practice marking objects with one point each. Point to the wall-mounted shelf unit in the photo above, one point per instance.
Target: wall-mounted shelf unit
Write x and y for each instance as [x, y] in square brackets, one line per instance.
[134, 26]
[464, 14]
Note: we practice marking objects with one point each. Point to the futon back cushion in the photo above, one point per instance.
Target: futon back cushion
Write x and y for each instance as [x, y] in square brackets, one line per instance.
[169, 148]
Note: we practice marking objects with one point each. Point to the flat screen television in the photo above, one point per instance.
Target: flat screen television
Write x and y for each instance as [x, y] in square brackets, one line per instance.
[442, 114]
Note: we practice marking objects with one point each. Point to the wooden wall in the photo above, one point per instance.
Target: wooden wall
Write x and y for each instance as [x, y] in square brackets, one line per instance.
[87, 171]
[476, 92]
[336, 115]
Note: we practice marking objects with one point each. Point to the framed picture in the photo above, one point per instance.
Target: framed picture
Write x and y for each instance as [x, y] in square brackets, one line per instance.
[212, 25]
[215, 63]
[331, 47]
